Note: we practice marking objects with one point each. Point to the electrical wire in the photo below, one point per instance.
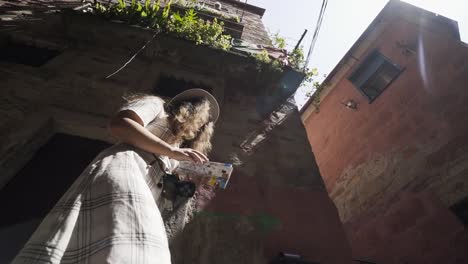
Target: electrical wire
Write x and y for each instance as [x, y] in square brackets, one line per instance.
[134, 55]
[316, 31]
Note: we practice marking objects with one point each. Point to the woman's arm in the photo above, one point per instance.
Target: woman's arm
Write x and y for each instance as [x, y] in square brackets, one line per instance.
[128, 127]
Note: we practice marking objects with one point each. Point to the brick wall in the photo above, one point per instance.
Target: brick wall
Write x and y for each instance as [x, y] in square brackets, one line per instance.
[411, 139]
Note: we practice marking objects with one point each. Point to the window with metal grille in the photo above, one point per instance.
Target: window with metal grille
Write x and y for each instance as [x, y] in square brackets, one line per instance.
[20, 53]
[170, 86]
[374, 75]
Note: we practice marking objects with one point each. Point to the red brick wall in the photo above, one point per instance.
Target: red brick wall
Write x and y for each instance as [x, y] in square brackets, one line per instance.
[416, 229]
[412, 138]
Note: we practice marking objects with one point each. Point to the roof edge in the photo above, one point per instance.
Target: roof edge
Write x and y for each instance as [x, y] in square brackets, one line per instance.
[252, 8]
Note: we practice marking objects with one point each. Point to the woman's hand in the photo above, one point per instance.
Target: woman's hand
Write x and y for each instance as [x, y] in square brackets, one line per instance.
[188, 154]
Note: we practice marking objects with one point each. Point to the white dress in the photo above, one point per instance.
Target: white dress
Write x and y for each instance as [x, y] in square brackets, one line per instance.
[109, 215]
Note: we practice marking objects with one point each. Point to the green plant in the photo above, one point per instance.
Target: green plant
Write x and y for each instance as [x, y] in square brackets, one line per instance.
[296, 58]
[265, 63]
[315, 87]
[278, 41]
[297, 61]
[237, 19]
[147, 14]
[187, 26]
[263, 57]
[192, 28]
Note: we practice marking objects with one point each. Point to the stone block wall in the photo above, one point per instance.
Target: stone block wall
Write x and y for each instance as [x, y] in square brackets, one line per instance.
[251, 17]
[276, 200]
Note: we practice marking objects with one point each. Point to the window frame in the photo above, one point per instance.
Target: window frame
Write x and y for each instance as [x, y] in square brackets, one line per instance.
[371, 72]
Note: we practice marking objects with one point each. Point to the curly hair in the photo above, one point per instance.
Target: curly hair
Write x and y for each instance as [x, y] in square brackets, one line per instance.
[191, 124]
[190, 121]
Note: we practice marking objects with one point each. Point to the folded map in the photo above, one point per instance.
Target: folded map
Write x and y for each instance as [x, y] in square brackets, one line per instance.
[215, 172]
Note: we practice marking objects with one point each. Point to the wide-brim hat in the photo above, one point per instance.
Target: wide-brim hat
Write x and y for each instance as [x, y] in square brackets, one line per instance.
[199, 93]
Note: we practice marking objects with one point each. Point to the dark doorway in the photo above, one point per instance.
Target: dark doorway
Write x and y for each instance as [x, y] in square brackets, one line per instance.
[27, 198]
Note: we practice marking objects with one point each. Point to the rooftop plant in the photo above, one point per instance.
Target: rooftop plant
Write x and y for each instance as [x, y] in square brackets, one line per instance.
[297, 61]
[153, 15]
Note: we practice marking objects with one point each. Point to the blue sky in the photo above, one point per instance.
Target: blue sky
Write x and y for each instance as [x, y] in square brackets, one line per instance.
[343, 23]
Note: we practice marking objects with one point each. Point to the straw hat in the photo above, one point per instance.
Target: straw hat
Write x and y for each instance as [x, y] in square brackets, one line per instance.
[199, 93]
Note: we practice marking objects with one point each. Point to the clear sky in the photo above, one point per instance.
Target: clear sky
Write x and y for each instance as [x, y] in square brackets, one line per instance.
[343, 23]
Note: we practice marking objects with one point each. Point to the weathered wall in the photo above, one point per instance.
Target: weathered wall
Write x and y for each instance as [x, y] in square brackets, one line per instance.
[417, 228]
[412, 138]
[276, 200]
[251, 16]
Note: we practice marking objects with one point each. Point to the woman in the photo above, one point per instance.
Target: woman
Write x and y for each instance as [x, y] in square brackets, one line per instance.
[109, 215]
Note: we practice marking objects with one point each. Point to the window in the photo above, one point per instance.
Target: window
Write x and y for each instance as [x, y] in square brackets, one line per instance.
[374, 75]
[26, 54]
[169, 86]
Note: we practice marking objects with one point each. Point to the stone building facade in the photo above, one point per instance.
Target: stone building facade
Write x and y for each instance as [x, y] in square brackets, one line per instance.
[250, 18]
[390, 140]
[55, 103]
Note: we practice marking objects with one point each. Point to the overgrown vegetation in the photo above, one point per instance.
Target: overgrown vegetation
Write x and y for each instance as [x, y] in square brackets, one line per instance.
[278, 41]
[265, 63]
[202, 32]
[297, 60]
[153, 15]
